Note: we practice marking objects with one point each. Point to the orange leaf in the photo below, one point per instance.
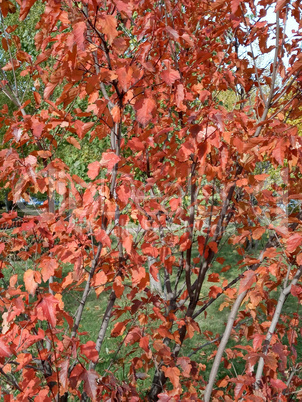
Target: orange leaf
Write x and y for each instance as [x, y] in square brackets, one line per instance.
[26, 5]
[127, 243]
[93, 170]
[29, 281]
[149, 250]
[88, 349]
[123, 193]
[173, 374]
[4, 349]
[23, 359]
[109, 160]
[247, 281]
[257, 233]
[100, 278]
[11, 65]
[144, 109]
[169, 76]
[293, 242]
[48, 306]
[213, 278]
[118, 286]
[144, 343]
[90, 383]
[215, 291]
[280, 4]
[296, 290]
[49, 265]
[73, 142]
[116, 114]
[271, 362]
[278, 384]
[109, 25]
[78, 33]
[213, 246]
[63, 375]
[119, 328]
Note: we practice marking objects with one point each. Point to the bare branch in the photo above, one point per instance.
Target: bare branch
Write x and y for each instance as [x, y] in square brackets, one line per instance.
[283, 296]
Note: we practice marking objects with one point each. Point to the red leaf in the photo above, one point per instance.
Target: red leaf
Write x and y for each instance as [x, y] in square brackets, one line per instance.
[214, 277]
[299, 259]
[135, 144]
[29, 281]
[119, 328]
[109, 160]
[257, 233]
[169, 76]
[293, 242]
[278, 384]
[214, 291]
[78, 32]
[116, 113]
[11, 65]
[133, 336]
[144, 343]
[280, 4]
[144, 109]
[279, 151]
[49, 265]
[4, 349]
[63, 375]
[173, 374]
[100, 279]
[124, 77]
[73, 142]
[123, 193]
[42, 396]
[165, 398]
[149, 250]
[179, 97]
[90, 383]
[185, 364]
[48, 306]
[271, 362]
[175, 203]
[93, 170]
[235, 5]
[213, 246]
[109, 24]
[138, 275]
[88, 349]
[102, 237]
[118, 286]
[26, 5]
[37, 127]
[247, 281]
[257, 341]
[23, 359]
[184, 242]
[127, 242]
[296, 290]
[124, 7]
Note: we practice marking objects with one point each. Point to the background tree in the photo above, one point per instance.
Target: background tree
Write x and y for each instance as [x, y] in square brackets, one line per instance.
[161, 217]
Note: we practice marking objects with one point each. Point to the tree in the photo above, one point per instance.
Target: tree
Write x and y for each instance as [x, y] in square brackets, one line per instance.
[179, 181]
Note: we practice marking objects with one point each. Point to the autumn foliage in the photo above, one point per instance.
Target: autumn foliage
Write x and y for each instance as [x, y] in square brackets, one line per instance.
[196, 105]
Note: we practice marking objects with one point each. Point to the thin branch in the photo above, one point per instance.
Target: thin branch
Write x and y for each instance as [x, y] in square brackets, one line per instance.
[222, 346]
[86, 291]
[283, 296]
